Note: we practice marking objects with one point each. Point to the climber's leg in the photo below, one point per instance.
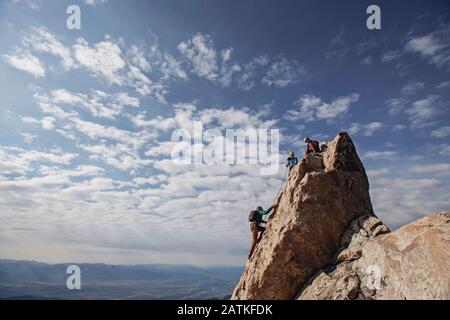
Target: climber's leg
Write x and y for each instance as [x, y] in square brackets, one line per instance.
[254, 242]
[261, 230]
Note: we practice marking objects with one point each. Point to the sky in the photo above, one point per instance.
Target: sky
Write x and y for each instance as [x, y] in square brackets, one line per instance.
[87, 116]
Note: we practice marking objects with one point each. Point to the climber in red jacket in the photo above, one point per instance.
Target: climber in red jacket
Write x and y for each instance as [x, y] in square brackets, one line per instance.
[312, 146]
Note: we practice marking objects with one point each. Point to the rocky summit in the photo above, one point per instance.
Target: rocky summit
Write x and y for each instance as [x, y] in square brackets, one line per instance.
[324, 241]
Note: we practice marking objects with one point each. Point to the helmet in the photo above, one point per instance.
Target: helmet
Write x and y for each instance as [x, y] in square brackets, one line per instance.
[307, 139]
[259, 209]
[291, 154]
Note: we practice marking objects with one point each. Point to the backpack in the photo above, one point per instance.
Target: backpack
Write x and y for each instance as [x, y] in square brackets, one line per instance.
[253, 216]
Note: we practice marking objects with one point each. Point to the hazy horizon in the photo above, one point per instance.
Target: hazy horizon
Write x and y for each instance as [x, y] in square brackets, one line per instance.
[125, 264]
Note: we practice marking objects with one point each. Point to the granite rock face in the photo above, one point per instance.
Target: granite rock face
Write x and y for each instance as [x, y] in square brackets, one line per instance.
[324, 241]
[412, 262]
[322, 197]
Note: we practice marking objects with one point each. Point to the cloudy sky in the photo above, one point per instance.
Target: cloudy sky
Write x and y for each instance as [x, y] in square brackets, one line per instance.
[87, 115]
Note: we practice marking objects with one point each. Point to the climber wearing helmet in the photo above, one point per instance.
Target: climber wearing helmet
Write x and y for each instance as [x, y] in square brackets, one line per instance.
[312, 147]
[292, 161]
[256, 219]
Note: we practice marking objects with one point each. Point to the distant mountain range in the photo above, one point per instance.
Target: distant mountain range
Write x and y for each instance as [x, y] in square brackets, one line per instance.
[27, 280]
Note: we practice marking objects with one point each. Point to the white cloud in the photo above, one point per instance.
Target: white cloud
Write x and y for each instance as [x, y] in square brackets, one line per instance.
[18, 160]
[106, 60]
[200, 52]
[399, 127]
[408, 184]
[160, 149]
[378, 172]
[439, 168]
[426, 45]
[114, 146]
[443, 150]
[402, 199]
[137, 57]
[284, 72]
[367, 61]
[31, 120]
[218, 66]
[246, 78]
[171, 67]
[396, 106]
[443, 85]
[422, 112]
[150, 180]
[223, 118]
[228, 68]
[103, 59]
[442, 132]
[98, 103]
[65, 96]
[28, 137]
[368, 129]
[143, 85]
[234, 118]
[412, 88]
[159, 123]
[313, 108]
[434, 47]
[41, 40]
[380, 155]
[97, 131]
[121, 156]
[337, 48]
[391, 55]
[94, 2]
[48, 123]
[32, 4]
[26, 62]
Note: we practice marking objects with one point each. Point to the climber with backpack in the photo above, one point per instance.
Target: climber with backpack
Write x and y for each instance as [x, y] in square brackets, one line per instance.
[255, 219]
[312, 147]
[292, 160]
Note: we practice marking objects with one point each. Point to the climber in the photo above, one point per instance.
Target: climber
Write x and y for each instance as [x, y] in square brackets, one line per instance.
[312, 147]
[256, 219]
[292, 161]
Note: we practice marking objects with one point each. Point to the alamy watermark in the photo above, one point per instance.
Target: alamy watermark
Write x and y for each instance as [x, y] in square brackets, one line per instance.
[73, 21]
[374, 20]
[73, 282]
[236, 146]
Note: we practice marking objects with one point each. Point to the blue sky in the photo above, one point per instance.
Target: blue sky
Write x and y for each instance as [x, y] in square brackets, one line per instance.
[87, 115]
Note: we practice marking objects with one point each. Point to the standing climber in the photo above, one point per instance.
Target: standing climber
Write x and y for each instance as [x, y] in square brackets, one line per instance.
[312, 147]
[256, 219]
[292, 161]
